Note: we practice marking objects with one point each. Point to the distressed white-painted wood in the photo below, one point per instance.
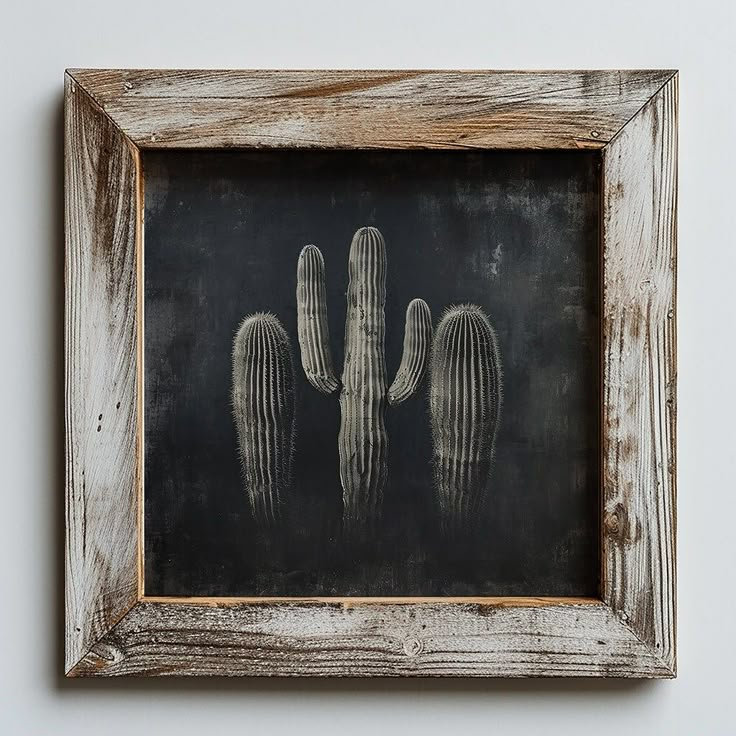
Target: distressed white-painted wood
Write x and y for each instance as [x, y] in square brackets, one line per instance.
[334, 639]
[371, 109]
[100, 371]
[111, 629]
[639, 344]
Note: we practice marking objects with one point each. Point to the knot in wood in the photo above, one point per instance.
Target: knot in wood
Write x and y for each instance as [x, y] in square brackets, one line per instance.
[612, 523]
[413, 647]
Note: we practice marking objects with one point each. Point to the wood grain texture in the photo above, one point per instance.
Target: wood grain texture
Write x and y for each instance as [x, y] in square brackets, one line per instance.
[308, 639]
[100, 373]
[112, 630]
[639, 341]
[370, 109]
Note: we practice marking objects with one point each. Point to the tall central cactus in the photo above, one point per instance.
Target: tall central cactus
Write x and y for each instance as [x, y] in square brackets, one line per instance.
[362, 441]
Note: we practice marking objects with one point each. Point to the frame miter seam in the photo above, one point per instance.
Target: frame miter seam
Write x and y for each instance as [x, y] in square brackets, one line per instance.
[671, 669]
[70, 672]
[673, 75]
[100, 107]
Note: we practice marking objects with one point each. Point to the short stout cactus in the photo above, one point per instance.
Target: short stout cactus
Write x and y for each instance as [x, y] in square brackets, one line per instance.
[263, 404]
[465, 406]
[362, 441]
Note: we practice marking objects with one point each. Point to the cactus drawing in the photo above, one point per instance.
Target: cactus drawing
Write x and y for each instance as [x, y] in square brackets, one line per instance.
[362, 440]
[465, 405]
[263, 405]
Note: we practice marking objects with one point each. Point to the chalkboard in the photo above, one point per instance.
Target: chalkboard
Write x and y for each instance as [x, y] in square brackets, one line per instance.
[514, 233]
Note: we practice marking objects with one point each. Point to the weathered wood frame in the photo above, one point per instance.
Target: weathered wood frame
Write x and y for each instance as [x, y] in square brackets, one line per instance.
[112, 628]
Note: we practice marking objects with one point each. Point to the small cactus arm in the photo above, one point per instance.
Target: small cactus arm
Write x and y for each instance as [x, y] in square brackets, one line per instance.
[417, 343]
[314, 336]
[263, 404]
[465, 406]
[362, 440]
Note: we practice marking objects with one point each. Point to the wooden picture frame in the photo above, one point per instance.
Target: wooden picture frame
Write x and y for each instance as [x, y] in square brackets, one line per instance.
[113, 628]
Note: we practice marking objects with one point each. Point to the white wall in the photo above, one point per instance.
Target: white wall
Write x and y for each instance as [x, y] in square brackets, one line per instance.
[39, 39]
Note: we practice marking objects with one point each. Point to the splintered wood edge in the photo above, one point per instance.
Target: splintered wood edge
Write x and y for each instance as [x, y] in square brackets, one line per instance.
[111, 628]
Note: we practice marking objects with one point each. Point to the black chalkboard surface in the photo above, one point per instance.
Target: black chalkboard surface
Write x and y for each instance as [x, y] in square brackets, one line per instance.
[515, 233]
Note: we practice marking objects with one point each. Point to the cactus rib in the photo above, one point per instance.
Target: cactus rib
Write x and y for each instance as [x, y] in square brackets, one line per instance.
[465, 404]
[417, 341]
[263, 405]
[312, 327]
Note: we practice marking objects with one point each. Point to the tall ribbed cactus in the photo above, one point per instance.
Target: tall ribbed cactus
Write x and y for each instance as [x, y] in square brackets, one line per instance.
[362, 441]
[465, 404]
[263, 404]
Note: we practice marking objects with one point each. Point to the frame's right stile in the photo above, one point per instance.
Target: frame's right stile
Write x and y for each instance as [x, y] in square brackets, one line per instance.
[639, 372]
[112, 628]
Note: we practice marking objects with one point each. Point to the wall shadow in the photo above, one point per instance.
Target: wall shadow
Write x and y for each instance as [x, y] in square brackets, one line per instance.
[54, 524]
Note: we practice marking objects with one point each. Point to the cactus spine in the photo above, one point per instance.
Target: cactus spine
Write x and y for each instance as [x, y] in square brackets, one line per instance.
[263, 404]
[465, 405]
[362, 440]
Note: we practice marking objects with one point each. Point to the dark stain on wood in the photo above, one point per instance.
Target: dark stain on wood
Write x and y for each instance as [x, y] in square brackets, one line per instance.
[349, 85]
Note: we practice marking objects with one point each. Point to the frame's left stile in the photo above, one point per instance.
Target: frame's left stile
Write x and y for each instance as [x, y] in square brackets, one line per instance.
[102, 473]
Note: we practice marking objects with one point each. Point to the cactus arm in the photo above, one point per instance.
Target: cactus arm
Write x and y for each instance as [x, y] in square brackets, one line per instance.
[312, 327]
[465, 405]
[417, 343]
[363, 442]
[263, 407]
